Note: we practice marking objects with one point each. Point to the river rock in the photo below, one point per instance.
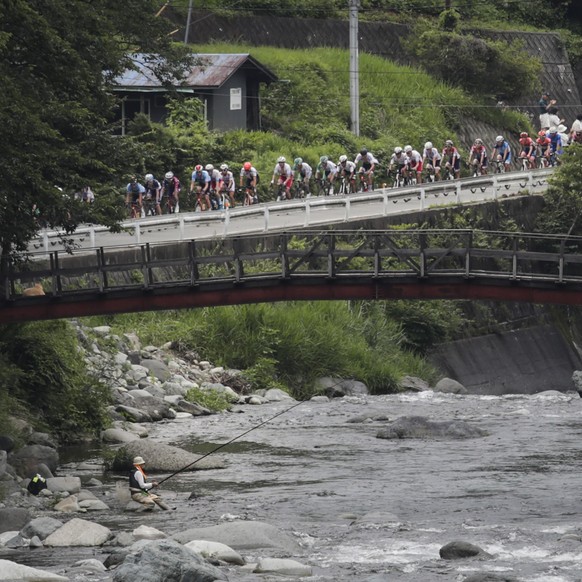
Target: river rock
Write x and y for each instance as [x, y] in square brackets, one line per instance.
[13, 572]
[459, 549]
[276, 395]
[450, 386]
[338, 387]
[69, 505]
[64, 484]
[413, 384]
[13, 519]
[144, 532]
[7, 443]
[93, 505]
[90, 565]
[118, 435]
[489, 577]
[415, 427]
[79, 532]
[3, 462]
[216, 551]
[133, 414]
[282, 567]
[157, 369]
[41, 527]
[162, 458]
[156, 408]
[241, 535]
[166, 560]
[26, 461]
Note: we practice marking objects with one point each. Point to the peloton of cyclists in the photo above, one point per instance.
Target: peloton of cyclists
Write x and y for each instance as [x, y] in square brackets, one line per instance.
[501, 153]
[249, 178]
[347, 169]
[284, 176]
[528, 150]
[452, 159]
[153, 191]
[431, 160]
[368, 162]
[478, 157]
[170, 192]
[200, 187]
[304, 173]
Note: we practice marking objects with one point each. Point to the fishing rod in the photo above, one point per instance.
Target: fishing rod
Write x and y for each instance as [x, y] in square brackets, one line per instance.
[233, 439]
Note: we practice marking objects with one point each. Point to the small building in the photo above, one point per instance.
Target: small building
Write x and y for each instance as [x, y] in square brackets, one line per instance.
[227, 85]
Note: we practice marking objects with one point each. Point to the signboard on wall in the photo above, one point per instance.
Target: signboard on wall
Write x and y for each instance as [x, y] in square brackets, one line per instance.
[235, 98]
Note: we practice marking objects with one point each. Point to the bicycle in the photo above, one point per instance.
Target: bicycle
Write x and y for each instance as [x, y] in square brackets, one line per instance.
[430, 173]
[280, 191]
[345, 186]
[134, 209]
[324, 187]
[300, 190]
[149, 206]
[449, 173]
[364, 186]
[498, 166]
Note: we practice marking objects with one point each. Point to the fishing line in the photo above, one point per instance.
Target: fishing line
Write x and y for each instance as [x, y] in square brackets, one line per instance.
[232, 440]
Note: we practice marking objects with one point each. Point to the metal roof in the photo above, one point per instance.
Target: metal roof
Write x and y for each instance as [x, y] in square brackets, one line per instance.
[212, 71]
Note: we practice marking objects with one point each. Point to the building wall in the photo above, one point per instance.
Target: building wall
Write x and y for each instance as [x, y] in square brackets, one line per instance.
[222, 116]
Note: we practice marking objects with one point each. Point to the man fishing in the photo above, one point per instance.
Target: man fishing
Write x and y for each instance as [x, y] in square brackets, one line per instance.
[140, 489]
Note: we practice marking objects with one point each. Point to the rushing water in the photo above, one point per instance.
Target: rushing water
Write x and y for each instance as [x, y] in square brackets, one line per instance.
[369, 509]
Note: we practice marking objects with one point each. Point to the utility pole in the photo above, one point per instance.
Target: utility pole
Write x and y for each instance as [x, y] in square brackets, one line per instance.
[188, 22]
[354, 67]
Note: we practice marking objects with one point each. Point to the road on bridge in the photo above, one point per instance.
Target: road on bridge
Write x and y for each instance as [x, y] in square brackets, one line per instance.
[313, 212]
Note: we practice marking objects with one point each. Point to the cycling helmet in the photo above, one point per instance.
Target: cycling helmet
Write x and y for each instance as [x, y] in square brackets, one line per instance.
[499, 138]
[149, 177]
[523, 134]
[553, 130]
[479, 141]
[198, 168]
[408, 149]
[209, 167]
[247, 166]
[364, 152]
[298, 161]
[323, 159]
[281, 160]
[542, 133]
[428, 145]
[343, 159]
[169, 175]
[223, 167]
[397, 150]
[449, 143]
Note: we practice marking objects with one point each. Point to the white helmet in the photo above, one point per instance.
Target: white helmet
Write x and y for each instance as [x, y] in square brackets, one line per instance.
[428, 145]
[281, 160]
[209, 167]
[149, 178]
[397, 150]
[343, 159]
[169, 175]
[408, 149]
[224, 167]
[499, 138]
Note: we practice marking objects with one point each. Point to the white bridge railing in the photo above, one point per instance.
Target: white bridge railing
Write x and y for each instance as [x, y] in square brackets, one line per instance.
[306, 213]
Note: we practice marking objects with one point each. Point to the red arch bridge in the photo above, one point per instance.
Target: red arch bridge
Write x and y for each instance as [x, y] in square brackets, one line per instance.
[322, 265]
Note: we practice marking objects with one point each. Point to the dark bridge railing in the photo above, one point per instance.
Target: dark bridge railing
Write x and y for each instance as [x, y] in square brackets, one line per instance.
[308, 265]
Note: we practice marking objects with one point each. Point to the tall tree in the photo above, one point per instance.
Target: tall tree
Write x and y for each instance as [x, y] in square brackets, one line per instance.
[58, 59]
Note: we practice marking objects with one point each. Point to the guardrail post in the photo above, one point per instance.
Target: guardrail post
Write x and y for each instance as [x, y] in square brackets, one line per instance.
[238, 266]
[266, 217]
[92, 237]
[495, 186]
[347, 216]
[307, 213]
[45, 241]
[458, 191]
[422, 198]
[137, 232]
[385, 201]
[181, 223]
[284, 257]
[226, 220]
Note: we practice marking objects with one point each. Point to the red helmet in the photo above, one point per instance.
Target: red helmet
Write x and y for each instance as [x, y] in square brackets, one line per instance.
[247, 166]
[198, 168]
[542, 133]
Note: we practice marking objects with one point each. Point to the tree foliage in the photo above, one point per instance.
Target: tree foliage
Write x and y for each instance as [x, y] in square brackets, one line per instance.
[58, 59]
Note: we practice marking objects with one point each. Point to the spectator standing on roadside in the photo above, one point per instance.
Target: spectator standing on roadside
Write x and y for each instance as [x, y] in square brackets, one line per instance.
[545, 103]
[577, 125]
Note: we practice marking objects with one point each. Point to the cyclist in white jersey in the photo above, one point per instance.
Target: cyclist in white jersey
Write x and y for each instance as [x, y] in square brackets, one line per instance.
[431, 158]
[368, 162]
[414, 163]
[304, 173]
[284, 175]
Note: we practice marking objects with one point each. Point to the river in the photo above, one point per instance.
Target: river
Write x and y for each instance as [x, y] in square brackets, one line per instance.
[373, 510]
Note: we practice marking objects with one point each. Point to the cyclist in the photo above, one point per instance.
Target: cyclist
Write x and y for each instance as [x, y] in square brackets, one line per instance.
[227, 186]
[528, 149]
[369, 163]
[399, 163]
[249, 178]
[134, 197]
[326, 172]
[284, 175]
[170, 191]
[543, 143]
[153, 190]
[304, 172]
[215, 185]
[501, 153]
[414, 163]
[452, 159]
[347, 169]
[431, 159]
[200, 185]
[478, 157]
[555, 145]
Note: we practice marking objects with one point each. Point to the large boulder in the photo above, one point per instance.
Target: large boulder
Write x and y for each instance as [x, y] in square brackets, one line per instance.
[156, 408]
[163, 458]
[338, 387]
[416, 427]
[241, 535]
[166, 560]
[459, 549]
[13, 518]
[13, 572]
[26, 461]
[79, 532]
[157, 369]
[450, 386]
[216, 551]
[282, 567]
[42, 527]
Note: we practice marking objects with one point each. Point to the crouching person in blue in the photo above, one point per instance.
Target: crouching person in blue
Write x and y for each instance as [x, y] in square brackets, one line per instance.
[140, 489]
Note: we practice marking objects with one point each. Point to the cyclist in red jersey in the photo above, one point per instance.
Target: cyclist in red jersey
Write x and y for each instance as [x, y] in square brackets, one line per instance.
[543, 143]
[528, 149]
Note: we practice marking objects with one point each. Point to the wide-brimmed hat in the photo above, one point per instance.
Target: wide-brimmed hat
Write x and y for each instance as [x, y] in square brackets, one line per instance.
[562, 129]
[138, 461]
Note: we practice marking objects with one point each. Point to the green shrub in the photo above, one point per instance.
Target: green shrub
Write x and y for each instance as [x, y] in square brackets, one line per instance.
[212, 399]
